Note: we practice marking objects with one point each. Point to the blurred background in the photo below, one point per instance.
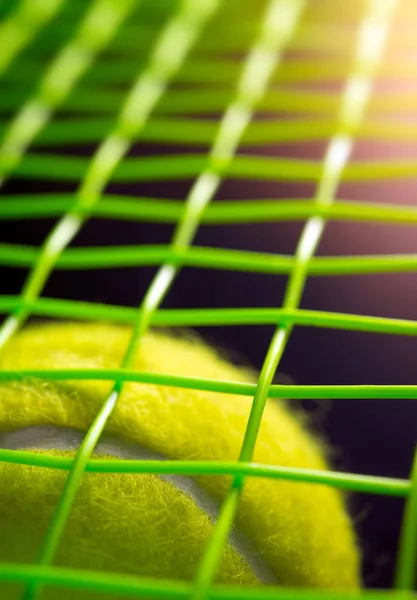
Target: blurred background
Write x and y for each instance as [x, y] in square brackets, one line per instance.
[367, 436]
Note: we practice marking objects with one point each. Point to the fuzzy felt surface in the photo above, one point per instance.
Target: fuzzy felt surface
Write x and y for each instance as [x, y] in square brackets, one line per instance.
[141, 523]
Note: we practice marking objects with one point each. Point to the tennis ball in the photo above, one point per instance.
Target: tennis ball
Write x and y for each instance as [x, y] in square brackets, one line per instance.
[286, 533]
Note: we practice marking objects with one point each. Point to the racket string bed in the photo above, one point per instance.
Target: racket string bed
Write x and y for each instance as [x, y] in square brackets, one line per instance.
[118, 74]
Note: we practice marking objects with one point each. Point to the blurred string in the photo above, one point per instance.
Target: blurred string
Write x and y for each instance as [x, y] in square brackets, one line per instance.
[357, 91]
[101, 102]
[194, 131]
[185, 165]
[60, 78]
[95, 31]
[203, 257]
[22, 26]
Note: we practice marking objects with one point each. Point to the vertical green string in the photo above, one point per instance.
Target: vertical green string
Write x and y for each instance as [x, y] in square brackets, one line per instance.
[170, 51]
[405, 575]
[61, 77]
[172, 47]
[277, 28]
[368, 53]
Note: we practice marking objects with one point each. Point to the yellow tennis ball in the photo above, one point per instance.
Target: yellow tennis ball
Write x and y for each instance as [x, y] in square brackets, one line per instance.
[286, 533]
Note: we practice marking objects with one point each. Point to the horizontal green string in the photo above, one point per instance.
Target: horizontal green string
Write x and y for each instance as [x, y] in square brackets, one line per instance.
[221, 212]
[297, 392]
[350, 481]
[54, 307]
[199, 132]
[107, 257]
[223, 71]
[311, 35]
[183, 166]
[110, 583]
[198, 101]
